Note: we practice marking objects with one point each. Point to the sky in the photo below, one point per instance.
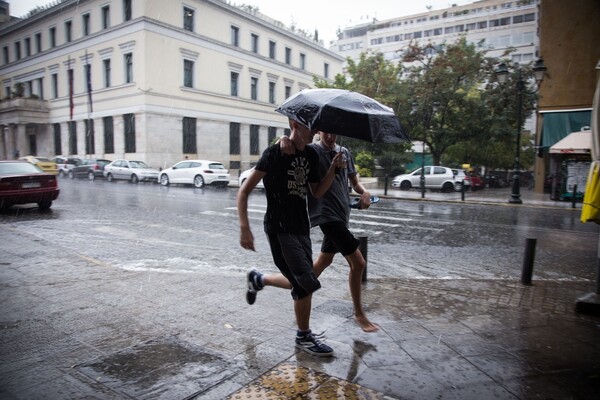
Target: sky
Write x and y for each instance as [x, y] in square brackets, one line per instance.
[326, 16]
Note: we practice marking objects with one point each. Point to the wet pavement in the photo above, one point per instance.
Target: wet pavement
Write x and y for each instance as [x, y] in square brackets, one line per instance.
[74, 325]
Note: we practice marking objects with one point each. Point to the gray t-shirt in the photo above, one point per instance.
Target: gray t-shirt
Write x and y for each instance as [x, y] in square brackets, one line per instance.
[334, 206]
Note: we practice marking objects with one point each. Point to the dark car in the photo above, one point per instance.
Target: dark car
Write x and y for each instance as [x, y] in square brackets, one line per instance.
[90, 168]
[22, 183]
[64, 164]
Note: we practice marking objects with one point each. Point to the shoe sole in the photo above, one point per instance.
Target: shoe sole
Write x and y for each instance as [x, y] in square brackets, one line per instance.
[312, 353]
[250, 292]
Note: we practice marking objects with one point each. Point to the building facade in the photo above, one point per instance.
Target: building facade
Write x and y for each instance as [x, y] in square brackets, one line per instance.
[151, 80]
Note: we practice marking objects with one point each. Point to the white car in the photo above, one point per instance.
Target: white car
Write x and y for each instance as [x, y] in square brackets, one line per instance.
[195, 172]
[436, 177]
[133, 171]
[244, 175]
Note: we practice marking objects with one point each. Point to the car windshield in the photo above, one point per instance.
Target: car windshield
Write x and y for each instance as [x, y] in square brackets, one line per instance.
[19, 168]
[138, 164]
[103, 162]
[43, 159]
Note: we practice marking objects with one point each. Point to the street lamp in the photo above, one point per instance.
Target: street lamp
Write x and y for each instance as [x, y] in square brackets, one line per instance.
[434, 108]
[501, 72]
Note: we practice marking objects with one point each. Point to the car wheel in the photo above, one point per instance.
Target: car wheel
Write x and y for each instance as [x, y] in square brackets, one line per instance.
[109, 177]
[91, 176]
[71, 175]
[199, 181]
[45, 205]
[61, 173]
[448, 187]
[134, 178]
[164, 180]
[458, 186]
[405, 185]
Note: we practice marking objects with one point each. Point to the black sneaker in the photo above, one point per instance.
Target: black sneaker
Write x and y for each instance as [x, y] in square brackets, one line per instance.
[310, 344]
[253, 278]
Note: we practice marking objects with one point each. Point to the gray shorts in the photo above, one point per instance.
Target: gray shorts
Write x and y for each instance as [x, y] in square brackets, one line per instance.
[292, 254]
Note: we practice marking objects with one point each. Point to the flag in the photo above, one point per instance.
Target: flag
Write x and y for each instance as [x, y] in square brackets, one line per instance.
[88, 78]
[70, 76]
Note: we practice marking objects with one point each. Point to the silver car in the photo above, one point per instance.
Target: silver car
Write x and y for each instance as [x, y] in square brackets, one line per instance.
[195, 172]
[436, 177]
[133, 171]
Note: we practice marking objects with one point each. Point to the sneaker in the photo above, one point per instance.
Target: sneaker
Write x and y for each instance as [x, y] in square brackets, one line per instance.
[253, 278]
[310, 344]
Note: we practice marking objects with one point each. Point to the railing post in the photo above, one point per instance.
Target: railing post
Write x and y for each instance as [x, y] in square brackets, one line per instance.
[528, 261]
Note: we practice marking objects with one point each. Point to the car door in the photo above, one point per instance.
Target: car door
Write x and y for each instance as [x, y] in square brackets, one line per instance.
[118, 169]
[437, 177]
[180, 172]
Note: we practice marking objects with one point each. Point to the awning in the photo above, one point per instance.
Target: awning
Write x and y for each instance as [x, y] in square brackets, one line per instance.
[576, 143]
[557, 125]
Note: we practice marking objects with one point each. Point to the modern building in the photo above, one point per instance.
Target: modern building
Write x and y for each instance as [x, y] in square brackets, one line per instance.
[151, 80]
[495, 25]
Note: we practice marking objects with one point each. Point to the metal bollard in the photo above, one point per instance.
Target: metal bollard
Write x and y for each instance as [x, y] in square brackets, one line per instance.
[462, 190]
[363, 247]
[528, 261]
[574, 196]
[385, 185]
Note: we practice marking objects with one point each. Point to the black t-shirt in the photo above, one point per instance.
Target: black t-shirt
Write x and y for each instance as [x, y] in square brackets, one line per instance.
[286, 185]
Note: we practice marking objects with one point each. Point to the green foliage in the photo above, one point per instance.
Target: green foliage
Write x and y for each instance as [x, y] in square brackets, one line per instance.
[365, 164]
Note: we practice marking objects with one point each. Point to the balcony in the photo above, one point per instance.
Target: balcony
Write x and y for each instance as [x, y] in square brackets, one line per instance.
[21, 110]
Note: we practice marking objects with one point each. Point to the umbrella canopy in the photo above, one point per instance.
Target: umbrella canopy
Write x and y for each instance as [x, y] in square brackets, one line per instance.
[575, 143]
[344, 113]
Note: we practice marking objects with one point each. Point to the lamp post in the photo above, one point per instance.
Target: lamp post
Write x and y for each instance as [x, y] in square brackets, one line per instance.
[502, 74]
[427, 123]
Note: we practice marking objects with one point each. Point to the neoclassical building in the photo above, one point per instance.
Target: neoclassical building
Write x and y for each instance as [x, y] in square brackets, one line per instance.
[152, 80]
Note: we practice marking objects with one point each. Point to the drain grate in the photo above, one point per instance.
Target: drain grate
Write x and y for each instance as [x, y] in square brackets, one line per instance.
[339, 308]
[167, 368]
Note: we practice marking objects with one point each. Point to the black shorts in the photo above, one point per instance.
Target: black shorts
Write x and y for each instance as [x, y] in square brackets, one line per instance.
[292, 254]
[338, 239]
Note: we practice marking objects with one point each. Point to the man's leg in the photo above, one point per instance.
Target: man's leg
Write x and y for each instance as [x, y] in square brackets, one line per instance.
[357, 265]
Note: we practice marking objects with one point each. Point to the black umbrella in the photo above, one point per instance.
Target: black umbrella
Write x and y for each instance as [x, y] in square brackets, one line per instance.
[344, 113]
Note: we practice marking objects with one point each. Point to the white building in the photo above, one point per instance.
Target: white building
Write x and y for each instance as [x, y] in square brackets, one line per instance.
[495, 25]
[196, 78]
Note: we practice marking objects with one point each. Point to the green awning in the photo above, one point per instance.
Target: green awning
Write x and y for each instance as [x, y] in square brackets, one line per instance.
[558, 125]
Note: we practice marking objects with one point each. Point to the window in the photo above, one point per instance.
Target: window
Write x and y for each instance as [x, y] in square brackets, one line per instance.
[189, 135]
[109, 140]
[86, 24]
[254, 88]
[302, 61]
[27, 47]
[72, 137]
[128, 60]
[235, 36]
[326, 70]
[68, 31]
[188, 74]
[126, 10]
[105, 17]
[188, 19]
[90, 146]
[482, 25]
[38, 42]
[129, 123]
[52, 37]
[57, 139]
[288, 91]
[54, 78]
[234, 83]
[254, 139]
[234, 138]
[529, 17]
[272, 134]
[272, 92]
[254, 42]
[288, 55]
[5, 54]
[106, 69]
[272, 45]
[18, 50]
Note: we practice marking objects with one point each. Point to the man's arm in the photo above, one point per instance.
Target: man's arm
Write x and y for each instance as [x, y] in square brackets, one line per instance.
[320, 188]
[246, 237]
[365, 196]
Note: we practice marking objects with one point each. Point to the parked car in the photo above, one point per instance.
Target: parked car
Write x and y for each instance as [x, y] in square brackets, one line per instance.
[22, 182]
[244, 175]
[195, 172]
[44, 163]
[460, 176]
[477, 182]
[90, 168]
[133, 171]
[64, 164]
[436, 177]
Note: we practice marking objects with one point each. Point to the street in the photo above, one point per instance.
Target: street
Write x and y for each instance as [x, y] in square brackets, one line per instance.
[179, 229]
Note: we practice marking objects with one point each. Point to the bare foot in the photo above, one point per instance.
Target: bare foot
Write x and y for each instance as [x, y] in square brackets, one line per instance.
[365, 324]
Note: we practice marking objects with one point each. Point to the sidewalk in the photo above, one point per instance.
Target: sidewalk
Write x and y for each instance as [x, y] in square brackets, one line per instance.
[73, 327]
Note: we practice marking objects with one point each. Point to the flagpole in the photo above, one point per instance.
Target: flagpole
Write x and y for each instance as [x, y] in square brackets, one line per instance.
[88, 78]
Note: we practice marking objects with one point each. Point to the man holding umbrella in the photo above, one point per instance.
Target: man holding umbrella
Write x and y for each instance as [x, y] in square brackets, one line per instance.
[332, 214]
[287, 180]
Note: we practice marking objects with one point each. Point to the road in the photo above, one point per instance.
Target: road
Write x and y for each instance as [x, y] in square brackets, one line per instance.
[183, 230]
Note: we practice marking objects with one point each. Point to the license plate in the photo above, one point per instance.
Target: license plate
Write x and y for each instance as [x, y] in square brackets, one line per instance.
[222, 177]
[30, 185]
